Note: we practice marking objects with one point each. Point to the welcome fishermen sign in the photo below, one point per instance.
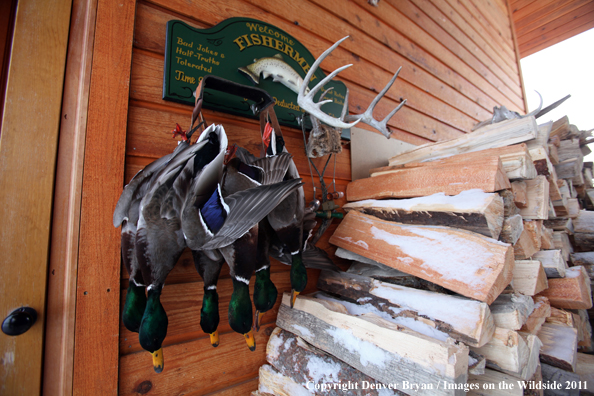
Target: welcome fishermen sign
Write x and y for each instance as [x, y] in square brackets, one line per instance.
[246, 51]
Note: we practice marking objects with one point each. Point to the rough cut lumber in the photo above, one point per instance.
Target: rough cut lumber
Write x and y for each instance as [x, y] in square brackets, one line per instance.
[524, 246]
[585, 369]
[510, 311]
[386, 352]
[472, 210]
[519, 190]
[464, 320]
[512, 229]
[533, 344]
[305, 364]
[483, 265]
[556, 381]
[572, 292]
[271, 382]
[561, 241]
[451, 179]
[534, 229]
[506, 350]
[529, 277]
[546, 241]
[542, 310]
[552, 262]
[495, 135]
[559, 346]
[537, 205]
[516, 160]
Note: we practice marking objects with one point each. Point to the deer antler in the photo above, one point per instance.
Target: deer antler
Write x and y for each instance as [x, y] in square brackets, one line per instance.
[306, 101]
[367, 116]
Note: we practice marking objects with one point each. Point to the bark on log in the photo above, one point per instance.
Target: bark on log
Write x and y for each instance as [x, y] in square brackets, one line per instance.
[552, 262]
[559, 347]
[510, 311]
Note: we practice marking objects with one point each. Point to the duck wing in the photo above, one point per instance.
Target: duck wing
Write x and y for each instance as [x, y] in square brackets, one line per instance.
[274, 167]
[244, 209]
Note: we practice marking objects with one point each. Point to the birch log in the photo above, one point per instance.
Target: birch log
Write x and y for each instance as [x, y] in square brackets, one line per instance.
[483, 265]
[485, 173]
[472, 210]
[386, 352]
[465, 320]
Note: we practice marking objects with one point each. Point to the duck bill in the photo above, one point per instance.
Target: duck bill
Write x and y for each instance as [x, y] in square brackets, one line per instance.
[214, 338]
[294, 295]
[251, 341]
[158, 361]
[258, 320]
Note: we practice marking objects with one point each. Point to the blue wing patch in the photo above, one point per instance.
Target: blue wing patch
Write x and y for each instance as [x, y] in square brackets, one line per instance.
[215, 211]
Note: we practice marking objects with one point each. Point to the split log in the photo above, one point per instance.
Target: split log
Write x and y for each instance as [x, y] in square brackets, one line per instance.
[559, 346]
[471, 210]
[572, 292]
[319, 372]
[518, 188]
[561, 241]
[516, 161]
[585, 369]
[569, 149]
[582, 258]
[524, 246]
[537, 205]
[386, 352]
[509, 206]
[560, 128]
[529, 277]
[584, 222]
[561, 317]
[510, 311]
[533, 344]
[494, 383]
[483, 265]
[542, 136]
[476, 363]
[544, 166]
[565, 225]
[542, 310]
[451, 179]
[495, 135]
[506, 350]
[583, 242]
[553, 263]
[271, 382]
[512, 229]
[573, 208]
[553, 154]
[546, 241]
[558, 382]
[568, 169]
[534, 229]
[462, 319]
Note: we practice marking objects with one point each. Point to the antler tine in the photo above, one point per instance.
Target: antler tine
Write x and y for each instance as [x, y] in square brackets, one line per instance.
[367, 116]
[306, 101]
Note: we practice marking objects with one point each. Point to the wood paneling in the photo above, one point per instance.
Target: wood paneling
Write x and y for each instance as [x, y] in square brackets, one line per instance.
[541, 24]
[458, 61]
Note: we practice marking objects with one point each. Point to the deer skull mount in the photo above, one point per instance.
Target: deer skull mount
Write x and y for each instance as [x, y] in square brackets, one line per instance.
[322, 144]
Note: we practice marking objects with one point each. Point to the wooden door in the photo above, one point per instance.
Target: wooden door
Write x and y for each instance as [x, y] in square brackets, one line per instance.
[28, 144]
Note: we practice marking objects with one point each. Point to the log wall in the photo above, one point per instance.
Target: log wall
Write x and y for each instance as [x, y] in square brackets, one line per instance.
[459, 60]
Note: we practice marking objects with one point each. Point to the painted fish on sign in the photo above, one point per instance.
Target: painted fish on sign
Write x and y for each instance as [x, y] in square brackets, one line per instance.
[245, 51]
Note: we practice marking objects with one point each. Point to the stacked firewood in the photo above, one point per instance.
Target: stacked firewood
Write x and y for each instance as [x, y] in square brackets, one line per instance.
[469, 275]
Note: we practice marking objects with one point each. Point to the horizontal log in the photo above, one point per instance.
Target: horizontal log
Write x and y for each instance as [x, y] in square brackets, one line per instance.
[494, 383]
[585, 369]
[572, 292]
[465, 320]
[537, 199]
[272, 382]
[561, 241]
[529, 277]
[558, 381]
[484, 265]
[552, 261]
[542, 310]
[583, 242]
[386, 352]
[582, 258]
[490, 136]
[518, 188]
[546, 241]
[472, 210]
[559, 346]
[584, 222]
[524, 246]
[512, 229]
[560, 224]
[451, 179]
[507, 350]
[510, 311]
[533, 345]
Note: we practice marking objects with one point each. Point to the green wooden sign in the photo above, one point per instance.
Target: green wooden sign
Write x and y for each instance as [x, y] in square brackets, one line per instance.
[246, 51]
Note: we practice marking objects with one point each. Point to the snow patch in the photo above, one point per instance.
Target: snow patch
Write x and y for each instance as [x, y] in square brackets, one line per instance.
[304, 331]
[368, 353]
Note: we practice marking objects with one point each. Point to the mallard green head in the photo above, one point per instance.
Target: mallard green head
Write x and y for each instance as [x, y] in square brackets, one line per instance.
[134, 307]
[209, 315]
[240, 312]
[298, 276]
[153, 328]
[265, 294]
